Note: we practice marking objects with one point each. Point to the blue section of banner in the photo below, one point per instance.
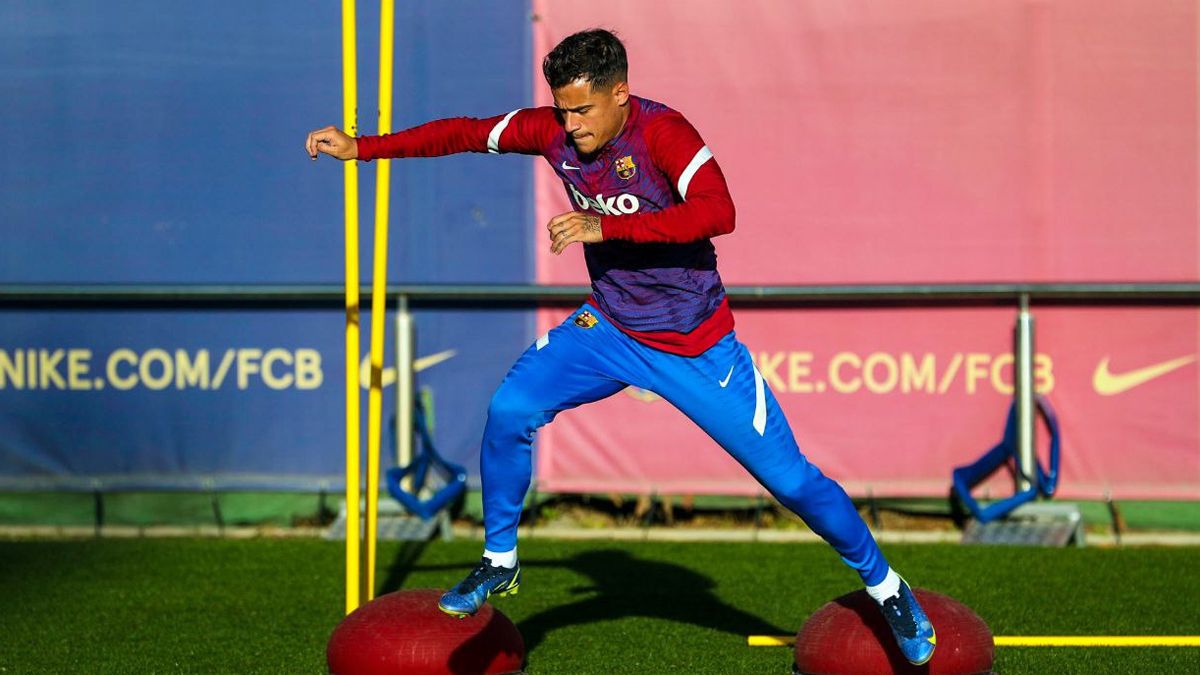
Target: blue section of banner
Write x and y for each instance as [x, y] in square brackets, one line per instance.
[473, 211]
[165, 145]
[166, 142]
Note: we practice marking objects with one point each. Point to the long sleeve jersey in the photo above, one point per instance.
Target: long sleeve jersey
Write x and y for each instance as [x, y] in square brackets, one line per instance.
[660, 196]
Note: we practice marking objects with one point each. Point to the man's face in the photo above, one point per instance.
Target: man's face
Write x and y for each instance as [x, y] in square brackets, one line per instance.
[591, 118]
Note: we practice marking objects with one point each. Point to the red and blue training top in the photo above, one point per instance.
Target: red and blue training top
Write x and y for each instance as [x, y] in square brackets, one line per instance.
[660, 195]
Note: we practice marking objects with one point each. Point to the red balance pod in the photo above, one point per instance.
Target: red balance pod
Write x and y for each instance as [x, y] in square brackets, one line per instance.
[849, 636]
[405, 632]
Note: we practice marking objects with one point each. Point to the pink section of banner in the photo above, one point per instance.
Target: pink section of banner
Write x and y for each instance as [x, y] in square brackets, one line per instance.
[933, 141]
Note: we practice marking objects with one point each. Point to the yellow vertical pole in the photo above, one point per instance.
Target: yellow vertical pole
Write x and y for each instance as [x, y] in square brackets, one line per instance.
[349, 113]
[378, 293]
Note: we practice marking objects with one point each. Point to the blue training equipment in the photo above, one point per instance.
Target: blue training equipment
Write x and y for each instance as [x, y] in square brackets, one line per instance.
[1044, 482]
[453, 476]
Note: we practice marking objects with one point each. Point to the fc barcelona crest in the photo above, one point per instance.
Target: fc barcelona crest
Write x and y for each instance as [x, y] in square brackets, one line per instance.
[585, 319]
[625, 167]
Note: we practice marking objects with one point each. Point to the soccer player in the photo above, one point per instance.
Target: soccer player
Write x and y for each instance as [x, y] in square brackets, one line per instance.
[648, 197]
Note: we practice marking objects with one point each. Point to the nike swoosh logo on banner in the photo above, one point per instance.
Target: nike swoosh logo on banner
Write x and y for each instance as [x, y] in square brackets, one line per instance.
[433, 359]
[388, 376]
[1107, 383]
[568, 167]
[727, 376]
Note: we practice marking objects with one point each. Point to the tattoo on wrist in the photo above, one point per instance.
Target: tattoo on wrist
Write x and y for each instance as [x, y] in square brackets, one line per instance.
[591, 223]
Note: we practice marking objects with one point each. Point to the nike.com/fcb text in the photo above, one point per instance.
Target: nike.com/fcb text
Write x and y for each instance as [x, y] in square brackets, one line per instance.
[801, 372]
[78, 369]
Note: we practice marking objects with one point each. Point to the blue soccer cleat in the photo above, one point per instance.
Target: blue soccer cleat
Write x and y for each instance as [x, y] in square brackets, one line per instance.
[911, 628]
[484, 581]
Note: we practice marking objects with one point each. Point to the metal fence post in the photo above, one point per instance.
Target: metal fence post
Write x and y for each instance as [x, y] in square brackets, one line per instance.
[404, 384]
[1023, 372]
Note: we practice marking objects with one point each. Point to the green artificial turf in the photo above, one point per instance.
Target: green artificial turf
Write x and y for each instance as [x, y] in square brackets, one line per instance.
[268, 605]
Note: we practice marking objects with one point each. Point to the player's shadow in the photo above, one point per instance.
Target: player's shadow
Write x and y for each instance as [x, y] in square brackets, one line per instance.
[623, 586]
[619, 585]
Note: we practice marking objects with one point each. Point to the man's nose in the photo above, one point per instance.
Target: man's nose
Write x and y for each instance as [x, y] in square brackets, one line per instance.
[571, 122]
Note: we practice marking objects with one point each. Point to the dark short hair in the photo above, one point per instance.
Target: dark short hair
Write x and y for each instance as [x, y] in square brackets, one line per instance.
[594, 55]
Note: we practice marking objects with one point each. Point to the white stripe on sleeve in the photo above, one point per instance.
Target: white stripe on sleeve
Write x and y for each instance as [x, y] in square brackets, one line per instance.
[494, 136]
[702, 156]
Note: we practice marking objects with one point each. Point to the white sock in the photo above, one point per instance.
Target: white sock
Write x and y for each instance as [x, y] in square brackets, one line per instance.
[505, 559]
[889, 587]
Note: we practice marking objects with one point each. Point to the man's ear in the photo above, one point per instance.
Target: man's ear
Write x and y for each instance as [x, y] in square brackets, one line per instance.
[620, 92]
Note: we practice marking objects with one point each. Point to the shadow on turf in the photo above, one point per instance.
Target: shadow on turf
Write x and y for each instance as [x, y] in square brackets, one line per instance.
[623, 586]
[402, 564]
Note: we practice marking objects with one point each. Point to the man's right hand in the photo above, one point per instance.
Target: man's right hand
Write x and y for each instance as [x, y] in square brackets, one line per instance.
[333, 142]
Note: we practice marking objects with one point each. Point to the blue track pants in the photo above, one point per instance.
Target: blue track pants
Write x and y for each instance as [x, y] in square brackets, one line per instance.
[720, 390]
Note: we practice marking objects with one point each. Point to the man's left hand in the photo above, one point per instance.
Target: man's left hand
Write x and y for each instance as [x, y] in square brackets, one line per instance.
[571, 227]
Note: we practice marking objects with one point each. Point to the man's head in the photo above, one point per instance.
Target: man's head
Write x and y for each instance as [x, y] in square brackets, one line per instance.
[587, 73]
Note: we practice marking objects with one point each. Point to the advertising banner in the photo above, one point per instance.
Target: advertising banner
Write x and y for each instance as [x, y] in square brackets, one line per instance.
[882, 142]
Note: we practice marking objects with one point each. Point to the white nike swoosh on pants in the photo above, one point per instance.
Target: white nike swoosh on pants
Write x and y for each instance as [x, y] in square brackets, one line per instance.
[727, 376]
